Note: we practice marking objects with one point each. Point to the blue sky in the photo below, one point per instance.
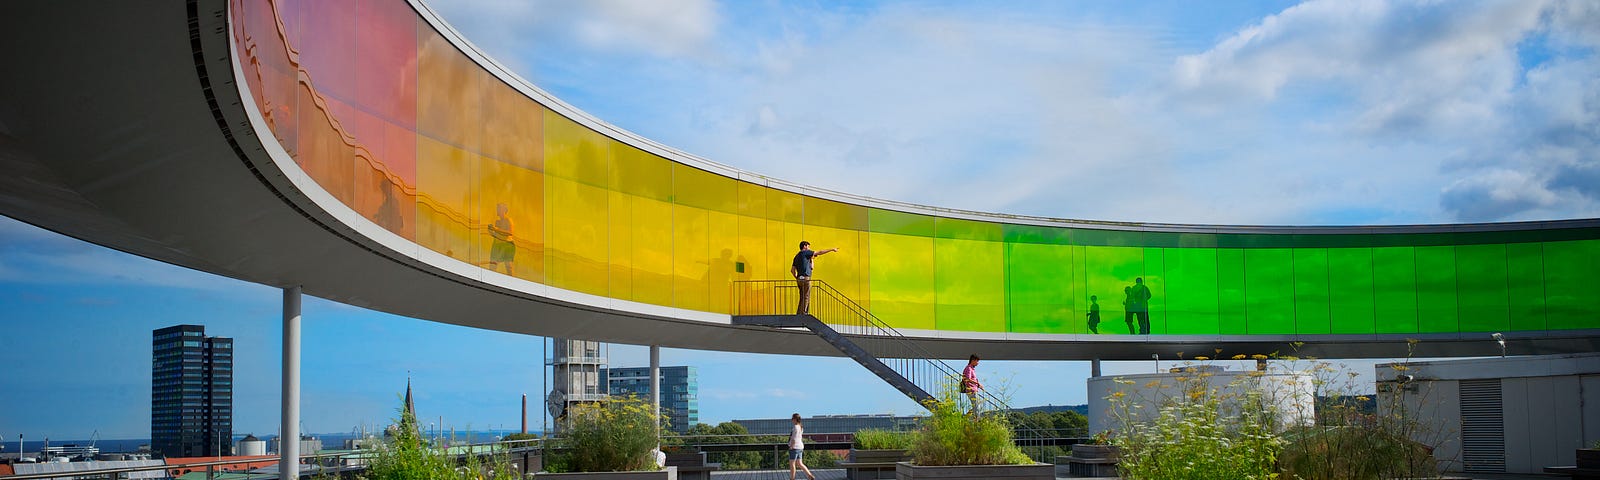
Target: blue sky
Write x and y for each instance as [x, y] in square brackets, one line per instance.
[1324, 112]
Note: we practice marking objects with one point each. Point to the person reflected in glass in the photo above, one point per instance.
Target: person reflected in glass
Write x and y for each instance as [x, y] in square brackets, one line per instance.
[1139, 305]
[797, 449]
[504, 248]
[1127, 309]
[970, 384]
[388, 215]
[801, 269]
[1094, 314]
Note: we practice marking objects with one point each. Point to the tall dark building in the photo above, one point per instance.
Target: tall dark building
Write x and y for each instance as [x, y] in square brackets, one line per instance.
[680, 391]
[191, 393]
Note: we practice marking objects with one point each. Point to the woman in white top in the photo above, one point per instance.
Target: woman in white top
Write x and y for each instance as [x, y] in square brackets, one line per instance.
[797, 449]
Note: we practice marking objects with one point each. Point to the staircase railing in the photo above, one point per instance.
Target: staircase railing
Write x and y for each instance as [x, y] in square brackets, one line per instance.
[892, 348]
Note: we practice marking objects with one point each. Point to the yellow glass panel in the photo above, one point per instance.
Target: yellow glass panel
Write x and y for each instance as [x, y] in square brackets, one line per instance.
[691, 230]
[652, 250]
[639, 173]
[724, 240]
[970, 282]
[621, 247]
[841, 269]
[575, 152]
[447, 211]
[752, 253]
[902, 280]
[701, 189]
[578, 249]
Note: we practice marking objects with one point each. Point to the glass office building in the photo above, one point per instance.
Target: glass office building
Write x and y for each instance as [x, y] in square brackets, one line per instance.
[680, 391]
[191, 393]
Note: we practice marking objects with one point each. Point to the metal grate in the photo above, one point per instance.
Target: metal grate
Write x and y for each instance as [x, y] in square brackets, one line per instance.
[1483, 432]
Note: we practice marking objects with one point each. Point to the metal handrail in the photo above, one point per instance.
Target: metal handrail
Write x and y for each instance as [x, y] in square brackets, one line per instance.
[902, 355]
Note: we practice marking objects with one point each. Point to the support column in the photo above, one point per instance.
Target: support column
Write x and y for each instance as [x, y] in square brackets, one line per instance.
[1094, 368]
[655, 386]
[289, 438]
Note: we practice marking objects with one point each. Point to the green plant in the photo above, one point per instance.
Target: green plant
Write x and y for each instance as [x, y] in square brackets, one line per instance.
[1102, 438]
[1351, 438]
[1194, 436]
[404, 456]
[616, 436]
[953, 436]
[878, 439]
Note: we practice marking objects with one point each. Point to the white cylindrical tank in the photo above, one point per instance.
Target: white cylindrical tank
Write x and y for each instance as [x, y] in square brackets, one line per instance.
[251, 446]
[1292, 394]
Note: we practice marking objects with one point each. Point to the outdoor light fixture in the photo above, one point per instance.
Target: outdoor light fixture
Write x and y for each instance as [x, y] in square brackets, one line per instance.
[1157, 358]
[1500, 339]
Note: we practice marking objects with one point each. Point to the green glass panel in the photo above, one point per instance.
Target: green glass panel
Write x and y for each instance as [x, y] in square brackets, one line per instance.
[901, 280]
[901, 223]
[1311, 290]
[1040, 290]
[1036, 234]
[1394, 289]
[1231, 304]
[1191, 282]
[1269, 290]
[1350, 291]
[1436, 290]
[1571, 273]
[970, 285]
[1525, 282]
[1481, 288]
[1154, 279]
[1109, 274]
[967, 229]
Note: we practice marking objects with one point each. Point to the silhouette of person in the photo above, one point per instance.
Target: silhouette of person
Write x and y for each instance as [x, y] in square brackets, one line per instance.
[1127, 309]
[388, 215]
[504, 247]
[1094, 314]
[801, 269]
[1139, 305]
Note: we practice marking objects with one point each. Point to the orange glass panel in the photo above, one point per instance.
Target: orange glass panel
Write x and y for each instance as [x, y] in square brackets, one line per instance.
[447, 209]
[513, 126]
[449, 107]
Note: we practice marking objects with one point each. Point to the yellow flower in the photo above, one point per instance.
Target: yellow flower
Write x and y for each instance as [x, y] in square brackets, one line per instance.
[1259, 356]
[1239, 357]
[1202, 358]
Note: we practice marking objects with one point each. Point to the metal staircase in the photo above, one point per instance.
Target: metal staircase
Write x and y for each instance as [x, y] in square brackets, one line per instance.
[863, 337]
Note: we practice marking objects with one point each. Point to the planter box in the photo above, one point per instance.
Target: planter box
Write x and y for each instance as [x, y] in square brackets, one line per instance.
[1037, 471]
[1096, 452]
[879, 456]
[670, 473]
[1588, 458]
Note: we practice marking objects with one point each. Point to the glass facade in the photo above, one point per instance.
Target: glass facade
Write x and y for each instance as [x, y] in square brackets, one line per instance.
[680, 391]
[191, 392]
[393, 120]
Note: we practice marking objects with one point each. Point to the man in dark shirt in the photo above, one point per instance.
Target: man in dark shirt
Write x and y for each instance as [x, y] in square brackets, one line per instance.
[801, 269]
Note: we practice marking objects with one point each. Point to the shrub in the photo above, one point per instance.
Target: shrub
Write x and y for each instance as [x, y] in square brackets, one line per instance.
[877, 439]
[1195, 437]
[1355, 453]
[404, 456]
[616, 436]
[952, 436]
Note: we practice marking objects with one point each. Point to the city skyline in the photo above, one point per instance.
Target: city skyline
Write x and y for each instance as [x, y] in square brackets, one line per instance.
[1472, 131]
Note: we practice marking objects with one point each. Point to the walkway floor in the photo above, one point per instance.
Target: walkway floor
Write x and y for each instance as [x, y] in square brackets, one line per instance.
[822, 474]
